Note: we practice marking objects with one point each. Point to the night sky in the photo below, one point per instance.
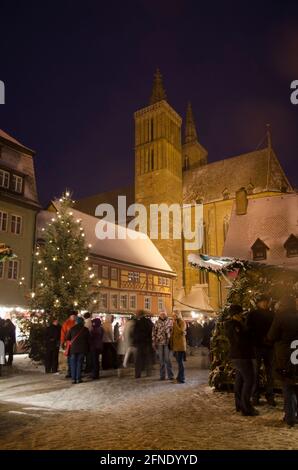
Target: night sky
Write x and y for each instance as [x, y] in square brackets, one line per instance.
[75, 71]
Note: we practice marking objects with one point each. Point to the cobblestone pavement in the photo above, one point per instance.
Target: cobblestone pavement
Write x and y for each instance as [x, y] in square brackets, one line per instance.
[40, 411]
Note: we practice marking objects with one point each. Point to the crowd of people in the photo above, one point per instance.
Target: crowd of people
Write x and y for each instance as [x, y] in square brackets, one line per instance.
[260, 347]
[258, 340]
[85, 340]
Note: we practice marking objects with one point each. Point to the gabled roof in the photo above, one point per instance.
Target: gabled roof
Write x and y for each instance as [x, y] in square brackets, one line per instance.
[273, 220]
[259, 243]
[9, 139]
[139, 252]
[89, 204]
[260, 169]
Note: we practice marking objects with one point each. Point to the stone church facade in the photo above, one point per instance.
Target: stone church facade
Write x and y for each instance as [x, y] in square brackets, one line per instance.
[171, 169]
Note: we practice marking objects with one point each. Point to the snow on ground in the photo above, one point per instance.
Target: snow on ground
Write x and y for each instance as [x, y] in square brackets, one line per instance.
[39, 411]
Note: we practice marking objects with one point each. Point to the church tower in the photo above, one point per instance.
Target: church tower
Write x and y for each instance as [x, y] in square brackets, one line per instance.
[193, 153]
[158, 165]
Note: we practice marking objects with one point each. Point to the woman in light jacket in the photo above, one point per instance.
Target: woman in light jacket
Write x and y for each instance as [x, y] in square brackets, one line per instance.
[178, 343]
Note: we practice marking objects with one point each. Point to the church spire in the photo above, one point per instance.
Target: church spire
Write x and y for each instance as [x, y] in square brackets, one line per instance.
[190, 127]
[158, 91]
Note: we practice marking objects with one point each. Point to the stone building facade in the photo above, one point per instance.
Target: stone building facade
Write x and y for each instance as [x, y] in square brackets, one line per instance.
[169, 169]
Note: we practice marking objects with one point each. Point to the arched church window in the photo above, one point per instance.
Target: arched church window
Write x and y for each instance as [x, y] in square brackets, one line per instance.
[226, 223]
[226, 193]
[186, 163]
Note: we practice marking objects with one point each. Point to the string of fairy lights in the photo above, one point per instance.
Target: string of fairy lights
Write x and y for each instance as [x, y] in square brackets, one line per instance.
[60, 256]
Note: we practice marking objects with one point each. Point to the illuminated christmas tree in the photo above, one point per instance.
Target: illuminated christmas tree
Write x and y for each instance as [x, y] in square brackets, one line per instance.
[64, 281]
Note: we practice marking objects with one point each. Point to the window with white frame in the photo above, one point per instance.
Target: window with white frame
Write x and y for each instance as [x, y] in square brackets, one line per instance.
[114, 301]
[13, 270]
[1, 269]
[3, 221]
[105, 272]
[4, 179]
[114, 274]
[147, 303]
[132, 302]
[16, 224]
[161, 304]
[134, 276]
[17, 183]
[103, 300]
[123, 301]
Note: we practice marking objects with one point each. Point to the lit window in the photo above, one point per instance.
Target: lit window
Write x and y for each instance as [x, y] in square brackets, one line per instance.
[1, 269]
[259, 250]
[291, 245]
[105, 272]
[161, 304]
[16, 224]
[114, 301]
[123, 301]
[17, 183]
[132, 302]
[4, 179]
[114, 274]
[147, 303]
[103, 301]
[3, 221]
[133, 276]
[13, 269]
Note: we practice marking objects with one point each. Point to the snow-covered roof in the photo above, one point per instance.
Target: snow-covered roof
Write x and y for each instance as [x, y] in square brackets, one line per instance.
[272, 220]
[197, 299]
[136, 248]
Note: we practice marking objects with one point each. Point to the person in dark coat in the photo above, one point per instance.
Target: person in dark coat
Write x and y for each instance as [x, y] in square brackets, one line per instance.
[259, 321]
[142, 340]
[80, 344]
[242, 356]
[52, 339]
[9, 340]
[96, 346]
[283, 331]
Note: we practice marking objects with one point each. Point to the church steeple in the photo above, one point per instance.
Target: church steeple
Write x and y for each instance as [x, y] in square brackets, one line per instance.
[158, 91]
[190, 134]
[193, 153]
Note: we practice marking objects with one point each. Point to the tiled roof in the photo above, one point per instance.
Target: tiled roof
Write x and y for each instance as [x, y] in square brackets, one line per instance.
[256, 169]
[272, 220]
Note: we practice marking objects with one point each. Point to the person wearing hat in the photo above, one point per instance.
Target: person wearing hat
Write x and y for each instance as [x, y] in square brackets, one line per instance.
[260, 321]
[79, 338]
[242, 357]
